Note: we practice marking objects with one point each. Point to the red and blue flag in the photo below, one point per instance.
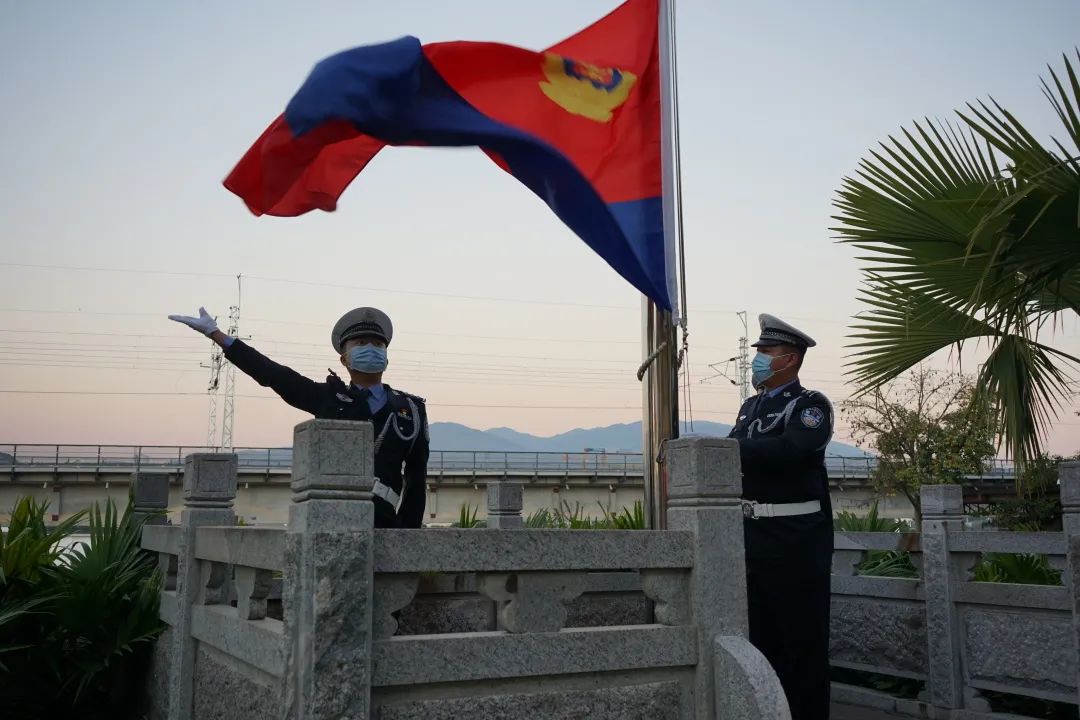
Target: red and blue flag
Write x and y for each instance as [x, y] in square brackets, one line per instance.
[578, 124]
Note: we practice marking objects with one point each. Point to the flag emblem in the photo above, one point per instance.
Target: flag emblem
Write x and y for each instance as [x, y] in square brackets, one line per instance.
[583, 89]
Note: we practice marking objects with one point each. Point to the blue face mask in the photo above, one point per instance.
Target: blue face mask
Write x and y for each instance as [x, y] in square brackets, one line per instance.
[367, 359]
[761, 368]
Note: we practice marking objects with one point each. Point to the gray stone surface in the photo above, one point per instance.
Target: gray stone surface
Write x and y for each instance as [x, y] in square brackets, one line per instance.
[704, 485]
[392, 593]
[1069, 477]
[261, 644]
[908, 542]
[257, 547]
[504, 503]
[532, 602]
[223, 693]
[328, 617]
[1073, 584]
[1022, 650]
[157, 676]
[746, 686]
[700, 469]
[162, 538]
[434, 614]
[844, 561]
[1052, 543]
[878, 587]
[150, 497]
[209, 491]
[252, 588]
[881, 634]
[669, 591]
[608, 609]
[862, 697]
[941, 500]
[332, 457]
[652, 701]
[480, 656]
[1045, 597]
[470, 612]
[942, 516]
[467, 550]
[209, 480]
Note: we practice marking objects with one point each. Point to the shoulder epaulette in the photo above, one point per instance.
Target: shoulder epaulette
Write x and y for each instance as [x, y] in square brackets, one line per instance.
[410, 395]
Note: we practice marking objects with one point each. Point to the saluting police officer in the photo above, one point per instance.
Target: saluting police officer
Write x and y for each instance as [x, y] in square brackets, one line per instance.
[361, 338]
[782, 434]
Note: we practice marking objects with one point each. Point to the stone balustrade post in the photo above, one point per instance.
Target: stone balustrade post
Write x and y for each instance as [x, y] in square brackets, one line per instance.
[150, 498]
[329, 571]
[504, 503]
[942, 514]
[1069, 477]
[209, 491]
[704, 489]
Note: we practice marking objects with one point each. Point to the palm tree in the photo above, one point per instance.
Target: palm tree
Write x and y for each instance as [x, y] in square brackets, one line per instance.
[971, 233]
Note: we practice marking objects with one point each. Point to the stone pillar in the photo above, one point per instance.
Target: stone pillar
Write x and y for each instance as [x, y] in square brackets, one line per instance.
[704, 487]
[504, 503]
[150, 498]
[209, 491]
[1069, 476]
[329, 572]
[942, 513]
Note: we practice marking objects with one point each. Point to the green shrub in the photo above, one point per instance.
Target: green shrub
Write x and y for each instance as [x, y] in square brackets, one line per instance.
[467, 517]
[75, 626]
[1020, 569]
[878, 563]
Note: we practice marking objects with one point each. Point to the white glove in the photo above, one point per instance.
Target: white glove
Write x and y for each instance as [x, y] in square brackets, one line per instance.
[205, 323]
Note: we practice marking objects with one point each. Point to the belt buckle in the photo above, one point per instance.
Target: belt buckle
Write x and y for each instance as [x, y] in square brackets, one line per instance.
[748, 510]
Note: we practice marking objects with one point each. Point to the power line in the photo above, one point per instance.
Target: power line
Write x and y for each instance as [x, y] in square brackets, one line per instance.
[339, 286]
[140, 393]
[79, 268]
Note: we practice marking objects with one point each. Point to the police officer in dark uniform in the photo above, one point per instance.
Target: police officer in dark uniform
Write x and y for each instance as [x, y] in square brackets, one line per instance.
[361, 338]
[783, 432]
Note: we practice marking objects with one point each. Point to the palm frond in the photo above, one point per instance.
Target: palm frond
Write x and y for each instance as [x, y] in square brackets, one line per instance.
[971, 233]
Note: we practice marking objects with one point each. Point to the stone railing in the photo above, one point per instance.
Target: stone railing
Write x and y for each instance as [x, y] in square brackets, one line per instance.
[960, 637]
[338, 650]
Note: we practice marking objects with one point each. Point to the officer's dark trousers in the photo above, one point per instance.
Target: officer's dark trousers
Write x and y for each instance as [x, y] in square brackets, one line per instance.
[789, 624]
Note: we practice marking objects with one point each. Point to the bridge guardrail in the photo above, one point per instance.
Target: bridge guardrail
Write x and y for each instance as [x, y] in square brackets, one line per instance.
[91, 457]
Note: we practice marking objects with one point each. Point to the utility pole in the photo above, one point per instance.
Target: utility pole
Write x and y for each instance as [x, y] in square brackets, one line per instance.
[230, 376]
[216, 358]
[217, 362]
[742, 365]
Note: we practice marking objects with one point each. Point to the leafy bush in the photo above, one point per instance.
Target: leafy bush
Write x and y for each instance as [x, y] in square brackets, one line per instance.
[566, 518]
[1020, 569]
[629, 519]
[467, 517]
[878, 563]
[872, 522]
[75, 625]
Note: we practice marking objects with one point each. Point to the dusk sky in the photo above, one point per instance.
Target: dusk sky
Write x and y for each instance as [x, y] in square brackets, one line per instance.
[122, 118]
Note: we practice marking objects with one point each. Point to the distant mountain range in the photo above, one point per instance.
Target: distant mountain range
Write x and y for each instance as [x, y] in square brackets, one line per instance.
[624, 437]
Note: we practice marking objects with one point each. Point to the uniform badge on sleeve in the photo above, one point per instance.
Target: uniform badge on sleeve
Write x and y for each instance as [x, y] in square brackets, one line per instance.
[811, 417]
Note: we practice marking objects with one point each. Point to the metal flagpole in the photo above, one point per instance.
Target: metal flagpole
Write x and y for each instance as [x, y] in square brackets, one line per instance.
[660, 410]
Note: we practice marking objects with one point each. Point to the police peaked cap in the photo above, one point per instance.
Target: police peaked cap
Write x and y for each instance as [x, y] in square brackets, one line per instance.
[775, 331]
[362, 322]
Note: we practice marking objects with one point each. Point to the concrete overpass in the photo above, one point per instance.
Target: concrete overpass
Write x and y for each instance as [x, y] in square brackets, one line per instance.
[73, 477]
